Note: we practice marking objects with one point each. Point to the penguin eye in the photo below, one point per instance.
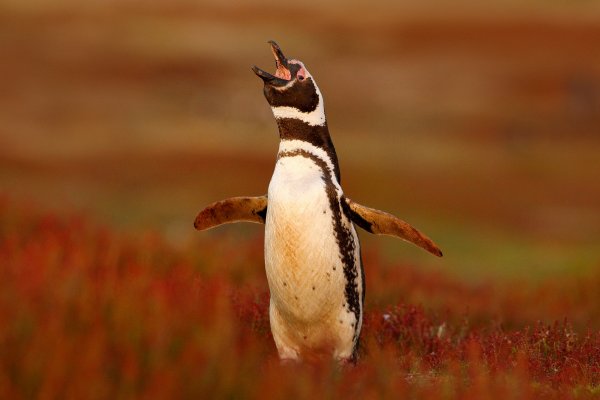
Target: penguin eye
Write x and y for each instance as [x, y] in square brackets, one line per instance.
[301, 74]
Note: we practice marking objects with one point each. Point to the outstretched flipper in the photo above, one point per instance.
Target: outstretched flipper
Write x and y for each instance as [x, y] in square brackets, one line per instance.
[235, 209]
[382, 223]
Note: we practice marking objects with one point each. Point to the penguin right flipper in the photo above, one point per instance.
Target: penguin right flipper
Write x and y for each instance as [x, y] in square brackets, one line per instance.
[382, 223]
[235, 209]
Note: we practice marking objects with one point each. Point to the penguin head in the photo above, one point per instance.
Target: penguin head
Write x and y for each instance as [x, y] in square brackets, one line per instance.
[292, 87]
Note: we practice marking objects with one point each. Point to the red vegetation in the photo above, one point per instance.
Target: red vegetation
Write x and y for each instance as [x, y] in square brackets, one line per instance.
[86, 313]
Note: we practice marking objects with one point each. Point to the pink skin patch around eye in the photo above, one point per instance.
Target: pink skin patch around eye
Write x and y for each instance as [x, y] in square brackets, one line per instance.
[301, 74]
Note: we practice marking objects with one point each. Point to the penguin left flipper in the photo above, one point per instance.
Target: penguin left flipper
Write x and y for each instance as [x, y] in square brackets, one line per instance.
[382, 223]
[235, 209]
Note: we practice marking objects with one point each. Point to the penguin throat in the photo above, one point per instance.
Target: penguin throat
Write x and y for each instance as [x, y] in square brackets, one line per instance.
[312, 118]
[297, 133]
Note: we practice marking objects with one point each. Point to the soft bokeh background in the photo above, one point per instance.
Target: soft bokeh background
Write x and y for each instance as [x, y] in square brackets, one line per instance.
[478, 122]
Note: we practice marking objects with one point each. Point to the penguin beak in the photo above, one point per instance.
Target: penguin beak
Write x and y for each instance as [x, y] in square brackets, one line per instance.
[282, 75]
[280, 60]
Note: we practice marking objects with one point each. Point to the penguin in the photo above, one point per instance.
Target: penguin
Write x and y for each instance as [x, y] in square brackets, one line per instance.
[312, 251]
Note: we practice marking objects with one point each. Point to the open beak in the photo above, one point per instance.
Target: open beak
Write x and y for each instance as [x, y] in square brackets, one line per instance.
[282, 75]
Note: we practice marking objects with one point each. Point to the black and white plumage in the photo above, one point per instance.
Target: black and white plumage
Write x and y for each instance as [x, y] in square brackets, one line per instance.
[312, 251]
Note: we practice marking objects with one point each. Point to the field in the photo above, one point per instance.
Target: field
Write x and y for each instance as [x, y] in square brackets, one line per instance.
[120, 120]
[90, 314]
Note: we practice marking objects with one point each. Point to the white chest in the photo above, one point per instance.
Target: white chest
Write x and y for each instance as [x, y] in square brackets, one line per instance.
[312, 256]
[302, 256]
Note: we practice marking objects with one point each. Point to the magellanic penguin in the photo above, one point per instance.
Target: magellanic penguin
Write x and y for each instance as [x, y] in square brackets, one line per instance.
[312, 252]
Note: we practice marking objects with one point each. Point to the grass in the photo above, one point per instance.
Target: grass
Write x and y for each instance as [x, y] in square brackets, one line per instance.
[88, 313]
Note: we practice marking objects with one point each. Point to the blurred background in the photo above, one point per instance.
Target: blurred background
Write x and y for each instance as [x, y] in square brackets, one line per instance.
[479, 123]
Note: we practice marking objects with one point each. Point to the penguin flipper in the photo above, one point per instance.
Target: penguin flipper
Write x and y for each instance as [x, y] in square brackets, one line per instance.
[382, 223]
[235, 209]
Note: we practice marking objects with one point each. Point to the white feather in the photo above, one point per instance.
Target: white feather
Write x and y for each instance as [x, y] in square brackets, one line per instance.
[302, 260]
[313, 118]
[291, 145]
